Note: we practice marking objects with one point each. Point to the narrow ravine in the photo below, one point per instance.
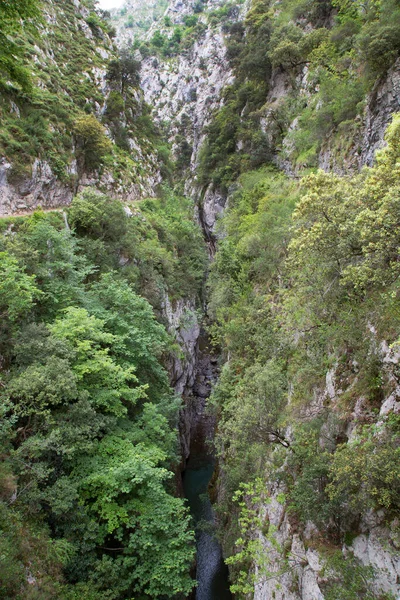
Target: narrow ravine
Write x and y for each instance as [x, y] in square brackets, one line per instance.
[211, 571]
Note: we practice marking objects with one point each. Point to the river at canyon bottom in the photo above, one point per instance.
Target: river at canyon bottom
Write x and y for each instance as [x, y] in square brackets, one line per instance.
[211, 571]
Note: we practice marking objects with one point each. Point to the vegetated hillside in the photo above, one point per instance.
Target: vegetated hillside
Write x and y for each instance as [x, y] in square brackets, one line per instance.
[136, 18]
[304, 301]
[303, 298]
[315, 85]
[304, 293]
[92, 302]
[72, 112]
[88, 505]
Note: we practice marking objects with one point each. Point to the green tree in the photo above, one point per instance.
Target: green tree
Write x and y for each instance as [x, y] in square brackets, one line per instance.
[17, 289]
[92, 144]
[123, 486]
[18, 293]
[124, 72]
[101, 224]
[365, 473]
[141, 340]
[111, 387]
[49, 252]
[98, 216]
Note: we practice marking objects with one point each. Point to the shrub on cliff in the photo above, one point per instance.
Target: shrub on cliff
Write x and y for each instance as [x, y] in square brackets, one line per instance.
[15, 17]
[92, 144]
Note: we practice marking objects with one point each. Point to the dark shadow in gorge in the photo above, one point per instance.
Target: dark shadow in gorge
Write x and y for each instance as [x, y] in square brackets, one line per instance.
[211, 571]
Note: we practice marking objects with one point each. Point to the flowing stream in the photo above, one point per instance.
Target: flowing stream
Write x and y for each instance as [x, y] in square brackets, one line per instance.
[211, 571]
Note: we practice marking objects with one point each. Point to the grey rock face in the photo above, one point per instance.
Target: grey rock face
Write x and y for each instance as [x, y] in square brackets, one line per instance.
[184, 327]
[185, 90]
[376, 546]
[382, 103]
[41, 188]
[213, 207]
[307, 572]
[196, 425]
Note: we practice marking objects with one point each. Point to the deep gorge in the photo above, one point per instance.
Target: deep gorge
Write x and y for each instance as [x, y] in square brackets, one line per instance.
[211, 572]
[199, 241]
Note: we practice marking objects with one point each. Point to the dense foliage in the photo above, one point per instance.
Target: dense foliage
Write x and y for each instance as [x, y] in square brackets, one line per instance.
[294, 294]
[325, 56]
[89, 422]
[303, 299]
[54, 107]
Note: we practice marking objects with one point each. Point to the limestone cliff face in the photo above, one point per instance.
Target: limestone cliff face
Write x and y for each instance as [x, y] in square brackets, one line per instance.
[185, 90]
[297, 568]
[184, 326]
[361, 140]
[40, 188]
[184, 93]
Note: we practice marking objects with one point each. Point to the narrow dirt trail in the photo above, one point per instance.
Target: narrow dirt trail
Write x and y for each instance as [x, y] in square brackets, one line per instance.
[29, 213]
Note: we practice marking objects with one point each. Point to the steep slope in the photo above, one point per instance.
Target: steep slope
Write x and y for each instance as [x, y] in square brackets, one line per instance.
[304, 290]
[308, 396]
[83, 120]
[135, 18]
[318, 96]
[302, 295]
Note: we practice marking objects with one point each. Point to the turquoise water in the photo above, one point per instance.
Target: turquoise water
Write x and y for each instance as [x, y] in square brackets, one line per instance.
[211, 572]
